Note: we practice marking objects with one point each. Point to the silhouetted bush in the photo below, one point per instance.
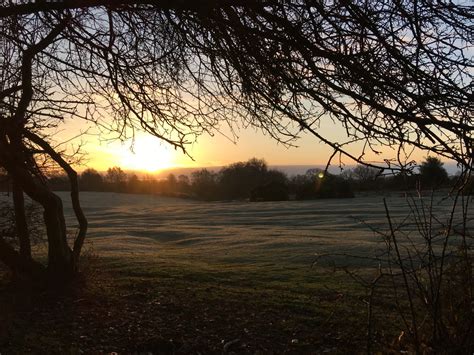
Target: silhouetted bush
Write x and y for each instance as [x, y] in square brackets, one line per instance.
[273, 191]
[432, 173]
[204, 185]
[333, 186]
[91, 180]
[315, 184]
[59, 182]
[238, 180]
[364, 178]
[116, 179]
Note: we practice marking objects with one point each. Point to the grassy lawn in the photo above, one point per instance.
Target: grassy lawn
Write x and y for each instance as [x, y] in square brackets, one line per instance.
[147, 304]
[166, 276]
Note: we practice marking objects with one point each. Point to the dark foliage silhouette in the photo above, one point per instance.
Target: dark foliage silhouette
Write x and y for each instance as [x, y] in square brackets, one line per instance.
[432, 173]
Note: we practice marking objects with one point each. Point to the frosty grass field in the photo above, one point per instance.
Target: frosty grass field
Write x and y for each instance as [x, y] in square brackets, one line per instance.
[263, 234]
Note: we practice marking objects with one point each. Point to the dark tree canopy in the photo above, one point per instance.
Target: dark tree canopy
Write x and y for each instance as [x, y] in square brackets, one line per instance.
[432, 173]
[396, 74]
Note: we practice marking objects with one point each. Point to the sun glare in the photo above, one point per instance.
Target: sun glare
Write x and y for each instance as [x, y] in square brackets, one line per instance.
[148, 155]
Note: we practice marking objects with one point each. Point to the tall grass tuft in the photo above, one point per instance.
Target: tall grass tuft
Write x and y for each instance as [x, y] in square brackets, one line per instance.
[430, 268]
[420, 298]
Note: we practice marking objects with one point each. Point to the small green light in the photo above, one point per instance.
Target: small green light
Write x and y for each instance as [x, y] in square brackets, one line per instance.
[321, 175]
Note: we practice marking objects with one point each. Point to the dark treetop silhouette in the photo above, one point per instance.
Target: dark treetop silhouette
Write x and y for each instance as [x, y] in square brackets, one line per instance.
[390, 73]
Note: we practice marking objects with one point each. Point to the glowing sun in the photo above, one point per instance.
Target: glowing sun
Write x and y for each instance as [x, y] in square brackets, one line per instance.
[148, 154]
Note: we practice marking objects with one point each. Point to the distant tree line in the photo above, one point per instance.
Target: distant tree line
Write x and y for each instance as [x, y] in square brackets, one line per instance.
[254, 181]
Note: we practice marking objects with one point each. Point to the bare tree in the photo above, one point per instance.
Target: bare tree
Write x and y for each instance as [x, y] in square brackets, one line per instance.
[396, 74]
[365, 173]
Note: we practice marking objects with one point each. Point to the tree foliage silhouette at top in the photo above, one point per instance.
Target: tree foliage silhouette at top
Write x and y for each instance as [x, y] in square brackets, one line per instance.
[396, 74]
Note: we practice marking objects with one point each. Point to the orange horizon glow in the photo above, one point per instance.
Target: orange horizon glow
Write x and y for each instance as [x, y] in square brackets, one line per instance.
[148, 155]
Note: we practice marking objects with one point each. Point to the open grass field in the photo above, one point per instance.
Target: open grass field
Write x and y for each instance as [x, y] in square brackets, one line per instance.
[165, 275]
[270, 235]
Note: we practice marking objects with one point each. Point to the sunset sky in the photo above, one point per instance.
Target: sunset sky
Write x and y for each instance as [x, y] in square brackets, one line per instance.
[150, 155]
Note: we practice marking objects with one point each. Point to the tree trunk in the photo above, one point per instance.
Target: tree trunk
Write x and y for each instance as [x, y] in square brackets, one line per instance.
[61, 263]
[72, 176]
[19, 163]
[20, 221]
